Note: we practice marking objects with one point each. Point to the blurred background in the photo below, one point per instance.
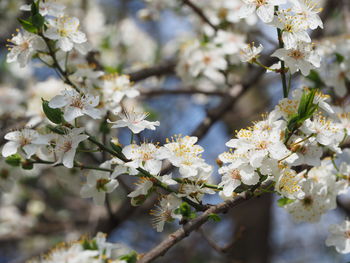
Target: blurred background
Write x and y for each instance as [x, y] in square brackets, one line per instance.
[44, 206]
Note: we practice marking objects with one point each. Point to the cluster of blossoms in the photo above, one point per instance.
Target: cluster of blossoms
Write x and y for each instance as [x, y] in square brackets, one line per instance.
[335, 69]
[96, 250]
[286, 149]
[277, 149]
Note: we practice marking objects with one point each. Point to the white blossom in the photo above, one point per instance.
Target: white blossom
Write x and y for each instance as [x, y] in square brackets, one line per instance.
[300, 57]
[76, 105]
[47, 8]
[340, 237]
[66, 146]
[66, 31]
[27, 139]
[250, 52]
[23, 46]
[99, 183]
[135, 121]
[264, 9]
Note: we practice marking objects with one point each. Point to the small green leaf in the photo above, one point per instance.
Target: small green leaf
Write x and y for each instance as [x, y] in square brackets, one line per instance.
[284, 201]
[28, 26]
[214, 217]
[14, 160]
[34, 8]
[54, 115]
[38, 21]
[130, 258]
[340, 58]
[89, 244]
[185, 210]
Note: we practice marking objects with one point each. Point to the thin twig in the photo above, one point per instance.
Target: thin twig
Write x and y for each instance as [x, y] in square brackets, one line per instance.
[200, 13]
[225, 248]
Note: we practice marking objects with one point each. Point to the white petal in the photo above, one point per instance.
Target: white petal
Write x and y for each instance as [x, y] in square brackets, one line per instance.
[72, 113]
[58, 101]
[9, 149]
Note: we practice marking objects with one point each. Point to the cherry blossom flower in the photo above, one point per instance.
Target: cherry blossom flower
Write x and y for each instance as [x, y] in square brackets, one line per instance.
[308, 10]
[115, 87]
[66, 31]
[143, 156]
[340, 237]
[27, 139]
[23, 46]
[47, 8]
[300, 57]
[66, 146]
[76, 105]
[294, 30]
[165, 211]
[135, 121]
[250, 52]
[264, 9]
[99, 183]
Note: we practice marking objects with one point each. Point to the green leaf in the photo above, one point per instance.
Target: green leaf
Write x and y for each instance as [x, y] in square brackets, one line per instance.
[284, 201]
[186, 211]
[38, 21]
[34, 8]
[130, 258]
[28, 26]
[89, 244]
[14, 160]
[340, 58]
[54, 115]
[214, 217]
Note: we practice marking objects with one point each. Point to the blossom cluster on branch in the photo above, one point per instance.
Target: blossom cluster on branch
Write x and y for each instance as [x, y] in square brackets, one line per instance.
[297, 149]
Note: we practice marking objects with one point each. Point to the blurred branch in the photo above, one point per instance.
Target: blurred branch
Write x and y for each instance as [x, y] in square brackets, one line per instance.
[165, 68]
[328, 9]
[223, 249]
[200, 13]
[193, 225]
[181, 91]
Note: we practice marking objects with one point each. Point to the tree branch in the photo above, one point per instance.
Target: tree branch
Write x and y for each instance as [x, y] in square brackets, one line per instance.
[200, 13]
[165, 68]
[191, 226]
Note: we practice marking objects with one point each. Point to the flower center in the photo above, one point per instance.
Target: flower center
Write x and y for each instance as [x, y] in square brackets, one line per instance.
[347, 234]
[296, 54]
[262, 145]
[24, 46]
[24, 141]
[222, 13]
[207, 60]
[308, 201]
[67, 146]
[77, 103]
[260, 2]
[101, 184]
[235, 174]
